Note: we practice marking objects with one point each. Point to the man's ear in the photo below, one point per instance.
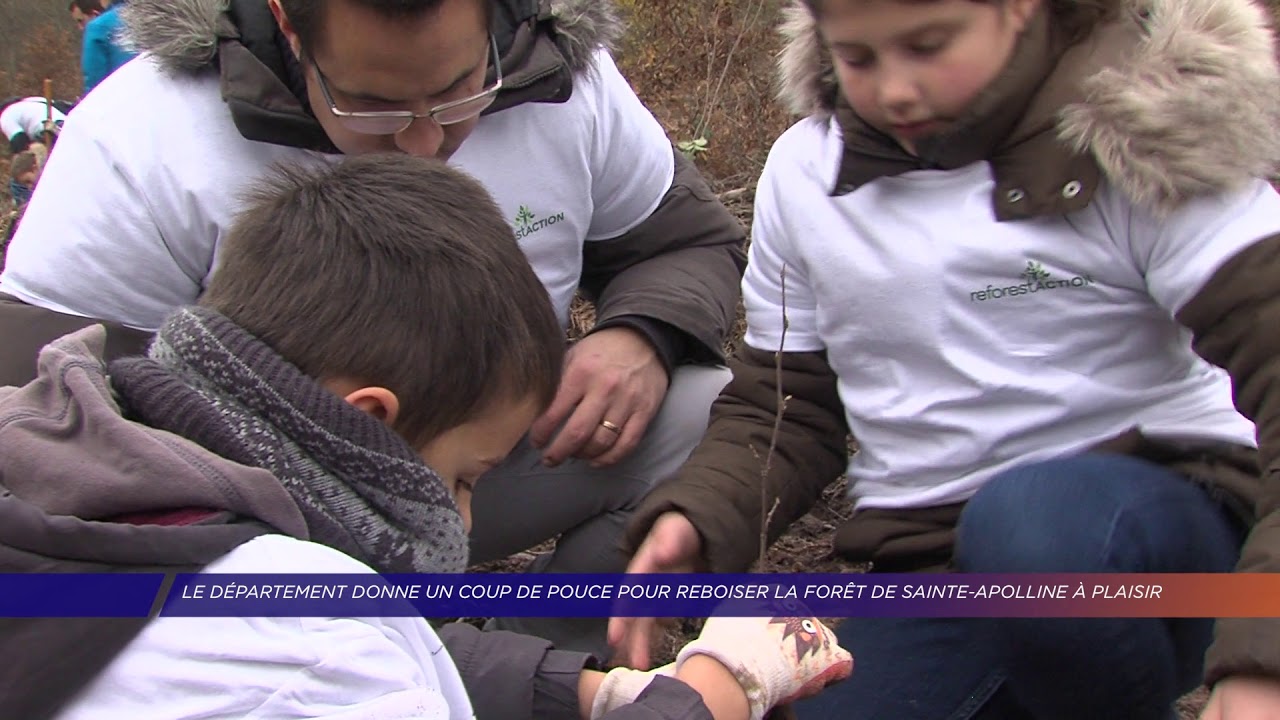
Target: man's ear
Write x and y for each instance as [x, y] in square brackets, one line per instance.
[1021, 11]
[376, 401]
[286, 27]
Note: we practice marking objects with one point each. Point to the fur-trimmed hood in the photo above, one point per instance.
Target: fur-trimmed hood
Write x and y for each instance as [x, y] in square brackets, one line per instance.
[184, 34]
[1185, 100]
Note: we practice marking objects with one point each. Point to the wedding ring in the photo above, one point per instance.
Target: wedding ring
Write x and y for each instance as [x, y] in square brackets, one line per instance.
[610, 427]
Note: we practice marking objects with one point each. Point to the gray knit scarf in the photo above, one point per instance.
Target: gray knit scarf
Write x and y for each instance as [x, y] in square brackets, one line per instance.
[360, 487]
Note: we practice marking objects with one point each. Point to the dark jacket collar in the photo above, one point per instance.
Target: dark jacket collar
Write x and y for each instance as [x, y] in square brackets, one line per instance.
[1007, 124]
[261, 81]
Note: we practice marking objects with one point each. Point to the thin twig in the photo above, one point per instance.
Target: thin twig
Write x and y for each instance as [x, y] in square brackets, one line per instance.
[766, 511]
[698, 129]
[713, 97]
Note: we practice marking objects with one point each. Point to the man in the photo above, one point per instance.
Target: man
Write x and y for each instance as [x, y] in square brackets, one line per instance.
[102, 51]
[82, 11]
[520, 94]
[24, 121]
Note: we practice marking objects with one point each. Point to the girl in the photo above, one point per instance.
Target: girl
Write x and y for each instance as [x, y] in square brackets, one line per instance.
[1015, 250]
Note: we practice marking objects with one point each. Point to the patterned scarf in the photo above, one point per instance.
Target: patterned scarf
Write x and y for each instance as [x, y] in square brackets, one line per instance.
[20, 193]
[360, 487]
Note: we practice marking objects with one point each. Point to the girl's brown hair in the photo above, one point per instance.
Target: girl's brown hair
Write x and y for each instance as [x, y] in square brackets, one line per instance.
[1074, 18]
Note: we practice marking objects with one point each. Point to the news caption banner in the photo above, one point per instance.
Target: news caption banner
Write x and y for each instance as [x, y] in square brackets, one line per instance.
[527, 595]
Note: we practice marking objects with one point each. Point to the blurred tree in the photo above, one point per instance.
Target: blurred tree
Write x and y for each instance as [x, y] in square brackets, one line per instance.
[37, 41]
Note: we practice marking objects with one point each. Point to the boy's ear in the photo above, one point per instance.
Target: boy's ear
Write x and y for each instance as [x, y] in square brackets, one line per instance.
[376, 401]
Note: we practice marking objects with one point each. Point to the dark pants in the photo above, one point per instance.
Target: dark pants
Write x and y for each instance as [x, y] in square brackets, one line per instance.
[25, 329]
[1089, 513]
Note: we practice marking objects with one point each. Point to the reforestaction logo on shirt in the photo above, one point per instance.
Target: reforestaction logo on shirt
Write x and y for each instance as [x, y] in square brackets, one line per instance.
[527, 223]
[1036, 278]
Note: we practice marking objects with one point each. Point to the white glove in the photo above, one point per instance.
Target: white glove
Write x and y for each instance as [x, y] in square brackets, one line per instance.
[621, 686]
[776, 660]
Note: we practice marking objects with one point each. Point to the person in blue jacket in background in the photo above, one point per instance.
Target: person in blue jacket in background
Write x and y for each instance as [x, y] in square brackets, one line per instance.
[102, 52]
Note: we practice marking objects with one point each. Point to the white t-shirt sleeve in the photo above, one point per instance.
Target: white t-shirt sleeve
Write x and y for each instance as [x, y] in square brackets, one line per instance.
[12, 120]
[92, 241]
[285, 668]
[1179, 253]
[9, 123]
[28, 116]
[774, 246]
[632, 163]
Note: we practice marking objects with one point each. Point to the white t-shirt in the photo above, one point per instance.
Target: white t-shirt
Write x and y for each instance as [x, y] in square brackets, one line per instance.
[28, 116]
[163, 186]
[334, 668]
[965, 346]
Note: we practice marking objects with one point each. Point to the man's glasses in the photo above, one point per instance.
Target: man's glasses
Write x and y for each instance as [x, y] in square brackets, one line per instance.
[391, 122]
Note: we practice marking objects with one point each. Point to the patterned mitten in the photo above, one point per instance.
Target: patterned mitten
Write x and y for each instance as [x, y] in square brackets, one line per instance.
[621, 686]
[776, 660]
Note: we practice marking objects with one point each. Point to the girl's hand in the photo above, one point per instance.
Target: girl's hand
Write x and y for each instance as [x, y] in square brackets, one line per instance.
[776, 660]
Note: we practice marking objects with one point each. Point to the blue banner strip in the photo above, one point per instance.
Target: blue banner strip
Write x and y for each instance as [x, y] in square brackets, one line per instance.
[117, 595]
[683, 595]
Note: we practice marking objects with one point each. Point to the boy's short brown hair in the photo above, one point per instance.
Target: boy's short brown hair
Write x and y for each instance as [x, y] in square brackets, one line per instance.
[23, 163]
[398, 272]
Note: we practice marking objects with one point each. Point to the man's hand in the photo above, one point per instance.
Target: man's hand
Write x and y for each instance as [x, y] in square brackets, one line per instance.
[1244, 697]
[612, 386]
[672, 545]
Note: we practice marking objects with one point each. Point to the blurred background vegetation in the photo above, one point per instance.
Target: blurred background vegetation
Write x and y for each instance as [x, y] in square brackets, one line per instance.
[38, 40]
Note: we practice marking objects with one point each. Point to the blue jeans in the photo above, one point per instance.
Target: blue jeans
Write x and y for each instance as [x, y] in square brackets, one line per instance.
[1087, 513]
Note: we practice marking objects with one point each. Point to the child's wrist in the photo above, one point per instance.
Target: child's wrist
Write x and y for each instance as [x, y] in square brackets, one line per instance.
[589, 682]
[719, 688]
[604, 693]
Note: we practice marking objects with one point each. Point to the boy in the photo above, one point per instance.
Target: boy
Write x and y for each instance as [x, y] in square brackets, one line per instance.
[367, 317]
[604, 204]
[24, 168]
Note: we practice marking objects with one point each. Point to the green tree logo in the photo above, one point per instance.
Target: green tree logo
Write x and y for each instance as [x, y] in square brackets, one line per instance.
[524, 216]
[1035, 272]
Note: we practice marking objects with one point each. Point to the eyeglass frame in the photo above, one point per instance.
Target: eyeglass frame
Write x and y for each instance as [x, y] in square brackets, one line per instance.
[408, 115]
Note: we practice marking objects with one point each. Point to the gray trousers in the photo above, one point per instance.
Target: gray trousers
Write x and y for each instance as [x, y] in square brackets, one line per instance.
[520, 503]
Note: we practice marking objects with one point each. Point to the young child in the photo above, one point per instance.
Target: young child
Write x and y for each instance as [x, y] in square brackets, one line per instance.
[373, 342]
[24, 172]
[1009, 252]
[24, 169]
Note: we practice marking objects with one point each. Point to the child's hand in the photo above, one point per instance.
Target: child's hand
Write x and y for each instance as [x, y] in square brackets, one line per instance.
[621, 687]
[776, 660]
